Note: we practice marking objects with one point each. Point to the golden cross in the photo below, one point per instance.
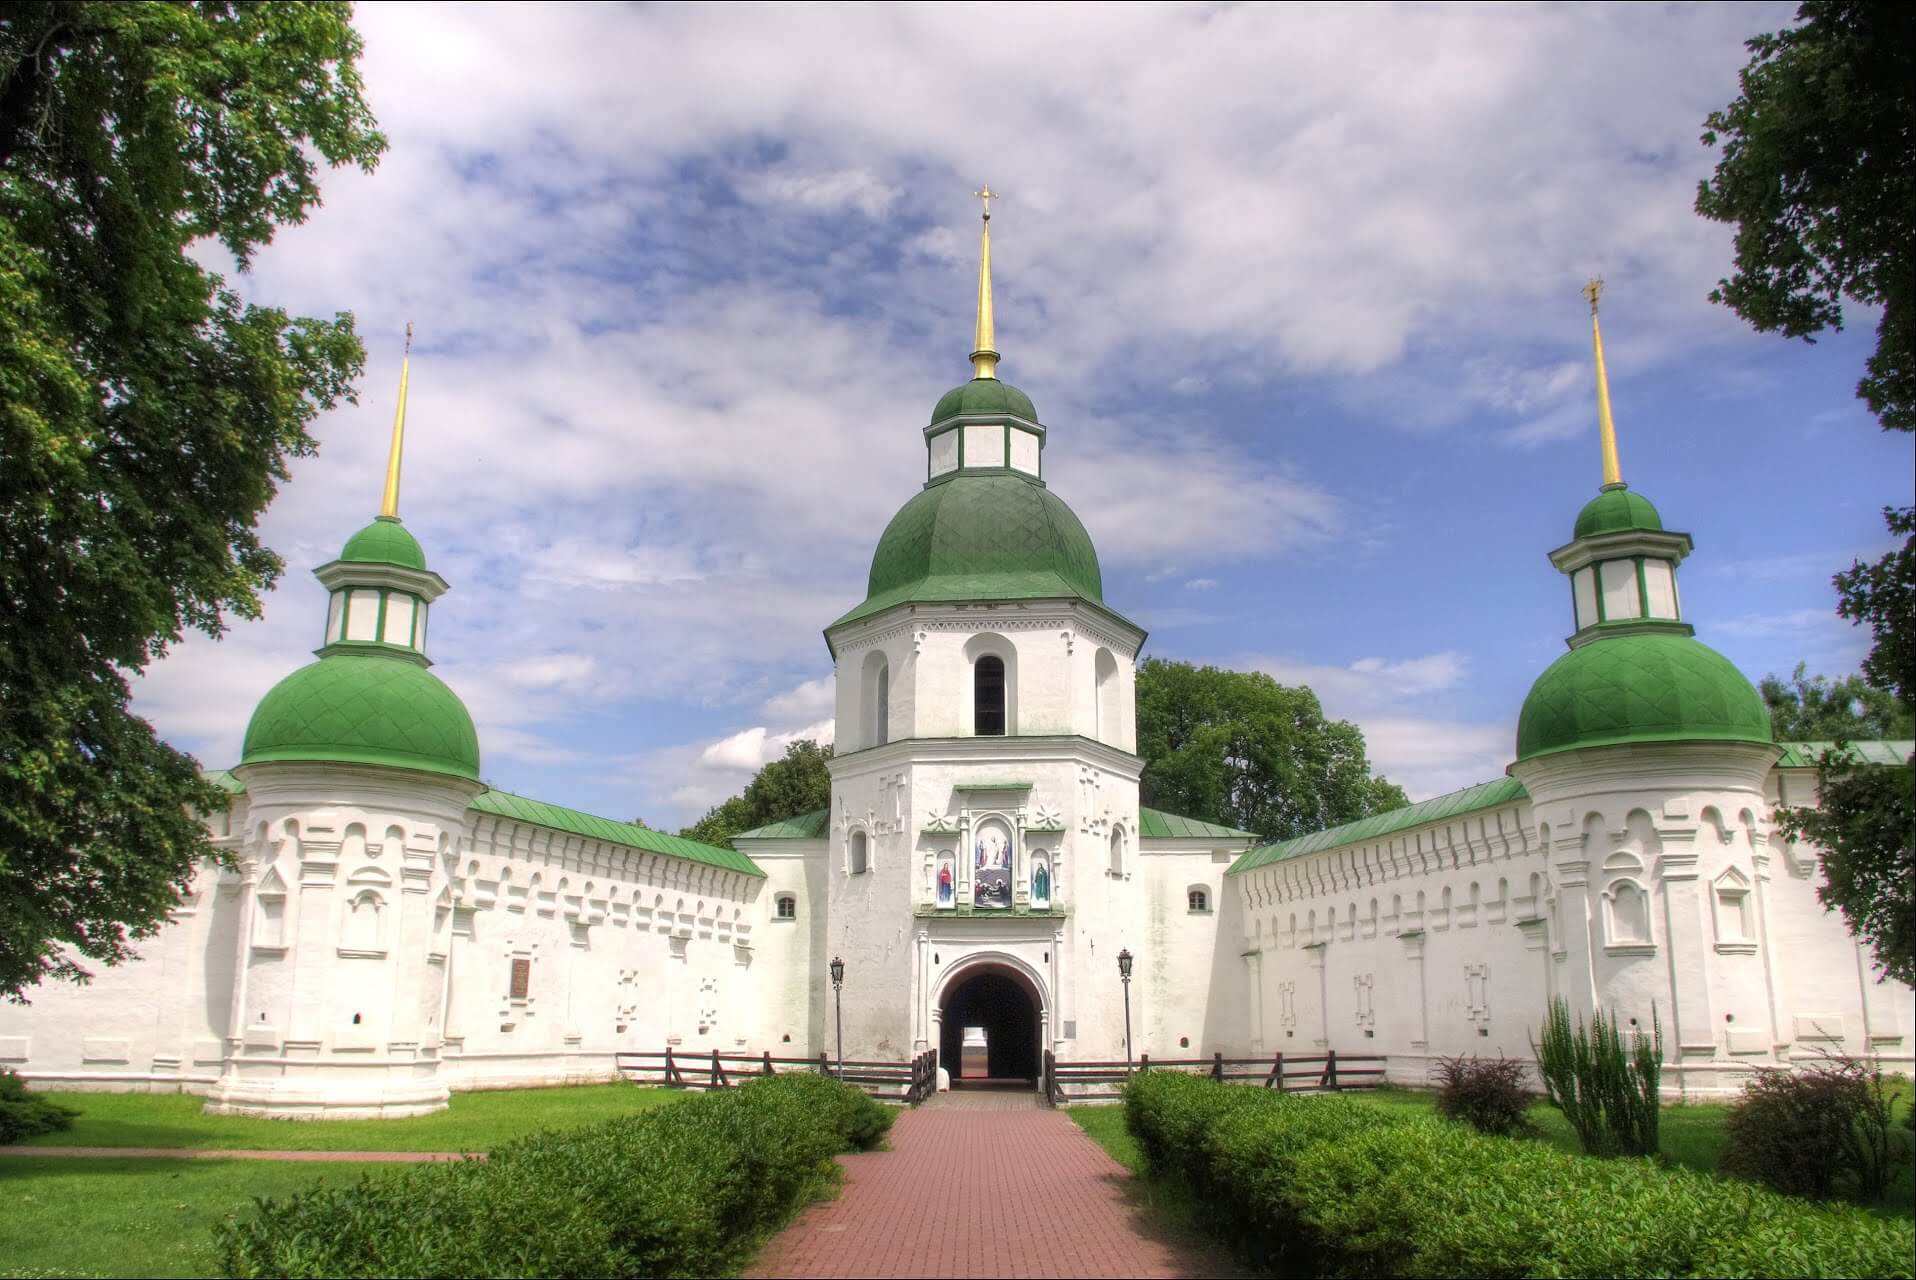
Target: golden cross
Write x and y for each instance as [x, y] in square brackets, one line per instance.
[1593, 291]
[987, 195]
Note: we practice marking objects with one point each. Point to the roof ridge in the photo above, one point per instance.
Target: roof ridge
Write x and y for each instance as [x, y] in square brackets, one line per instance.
[1489, 794]
[504, 804]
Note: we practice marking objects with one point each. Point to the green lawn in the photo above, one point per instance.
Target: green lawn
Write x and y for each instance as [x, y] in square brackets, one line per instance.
[109, 1217]
[474, 1122]
[1692, 1134]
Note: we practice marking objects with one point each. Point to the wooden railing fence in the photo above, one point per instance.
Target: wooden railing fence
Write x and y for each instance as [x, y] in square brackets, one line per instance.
[908, 1082]
[1297, 1073]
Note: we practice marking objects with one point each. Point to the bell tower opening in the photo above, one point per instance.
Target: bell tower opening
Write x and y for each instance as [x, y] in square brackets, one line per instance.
[996, 1006]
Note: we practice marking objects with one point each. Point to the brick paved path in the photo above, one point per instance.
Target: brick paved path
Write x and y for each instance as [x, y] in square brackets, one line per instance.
[967, 1191]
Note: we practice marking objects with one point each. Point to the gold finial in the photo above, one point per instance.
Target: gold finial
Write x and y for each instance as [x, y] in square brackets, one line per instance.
[984, 355]
[1606, 425]
[390, 507]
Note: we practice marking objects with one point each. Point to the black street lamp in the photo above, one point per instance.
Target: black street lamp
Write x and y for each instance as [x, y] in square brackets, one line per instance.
[838, 1005]
[1124, 971]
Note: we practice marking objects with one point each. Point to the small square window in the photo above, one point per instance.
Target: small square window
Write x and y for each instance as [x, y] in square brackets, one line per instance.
[787, 907]
[1199, 900]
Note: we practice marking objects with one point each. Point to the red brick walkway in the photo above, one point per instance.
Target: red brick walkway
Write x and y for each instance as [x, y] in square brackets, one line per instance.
[968, 1192]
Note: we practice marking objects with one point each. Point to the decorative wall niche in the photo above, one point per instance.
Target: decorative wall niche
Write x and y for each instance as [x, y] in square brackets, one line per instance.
[1735, 913]
[1626, 918]
[362, 931]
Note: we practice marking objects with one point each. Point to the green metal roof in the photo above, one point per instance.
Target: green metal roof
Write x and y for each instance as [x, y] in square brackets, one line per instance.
[559, 818]
[1155, 824]
[806, 826]
[1485, 795]
[984, 395]
[1615, 510]
[1649, 687]
[365, 708]
[224, 781]
[385, 541]
[984, 536]
[1803, 755]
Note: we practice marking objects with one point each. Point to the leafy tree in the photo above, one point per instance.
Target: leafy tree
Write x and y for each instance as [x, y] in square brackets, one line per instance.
[1818, 709]
[798, 782]
[1818, 175]
[1238, 748]
[146, 416]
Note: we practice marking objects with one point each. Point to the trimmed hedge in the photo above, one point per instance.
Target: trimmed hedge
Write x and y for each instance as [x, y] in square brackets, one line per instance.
[24, 1114]
[1349, 1189]
[689, 1189]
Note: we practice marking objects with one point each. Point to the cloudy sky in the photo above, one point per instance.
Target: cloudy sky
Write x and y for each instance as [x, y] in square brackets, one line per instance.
[1294, 289]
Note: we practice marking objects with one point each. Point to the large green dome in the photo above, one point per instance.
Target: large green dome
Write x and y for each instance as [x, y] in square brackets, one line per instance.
[982, 537]
[385, 541]
[984, 395]
[1614, 510]
[1650, 687]
[365, 709]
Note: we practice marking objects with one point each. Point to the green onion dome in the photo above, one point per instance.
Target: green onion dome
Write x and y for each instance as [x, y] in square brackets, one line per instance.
[385, 541]
[984, 395]
[1649, 687]
[370, 708]
[1614, 510]
[982, 537]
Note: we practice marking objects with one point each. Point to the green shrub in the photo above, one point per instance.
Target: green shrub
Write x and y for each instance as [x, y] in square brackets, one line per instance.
[682, 1190]
[1490, 1096]
[23, 1114]
[1168, 1112]
[1820, 1131]
[1346, 1189]
[1608, 1091]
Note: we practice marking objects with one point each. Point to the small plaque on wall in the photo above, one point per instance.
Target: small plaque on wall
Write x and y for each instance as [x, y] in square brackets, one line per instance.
[521, 977]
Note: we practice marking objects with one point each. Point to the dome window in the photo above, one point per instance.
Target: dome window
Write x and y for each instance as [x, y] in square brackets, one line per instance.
[988, 697]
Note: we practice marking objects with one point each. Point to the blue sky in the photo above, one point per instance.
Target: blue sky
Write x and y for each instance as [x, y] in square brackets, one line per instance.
[1294, 289]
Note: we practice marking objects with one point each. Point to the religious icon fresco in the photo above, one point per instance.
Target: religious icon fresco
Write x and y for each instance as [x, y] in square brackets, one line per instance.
[991, 867]
[944, 882]
[1040, 882]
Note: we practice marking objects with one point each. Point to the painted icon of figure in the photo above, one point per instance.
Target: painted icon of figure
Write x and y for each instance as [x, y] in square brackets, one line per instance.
[944, 884]
[1041, 883]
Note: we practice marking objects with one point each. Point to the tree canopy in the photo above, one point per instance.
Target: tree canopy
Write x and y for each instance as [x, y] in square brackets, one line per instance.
[1818, 176]
[147, 414]
[1238, 748]
[1819, 709]
[798, 782]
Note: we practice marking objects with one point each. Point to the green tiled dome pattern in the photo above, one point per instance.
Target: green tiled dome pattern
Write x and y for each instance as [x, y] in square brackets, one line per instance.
[1614, 510]
[365, 709]
[984, 395]
[982, 537]
[385, 541]
[1639, 688]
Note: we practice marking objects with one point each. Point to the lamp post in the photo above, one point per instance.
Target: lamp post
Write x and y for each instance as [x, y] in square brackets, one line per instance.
[838, 1008]
[1124, 972]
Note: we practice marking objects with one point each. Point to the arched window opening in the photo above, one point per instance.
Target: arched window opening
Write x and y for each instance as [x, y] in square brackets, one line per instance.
[1117, 851]
[1629, 914]
[1108, 728]
[881, 727]
[988, 697]
[1198, 900]
[858, 856]
[786, 906]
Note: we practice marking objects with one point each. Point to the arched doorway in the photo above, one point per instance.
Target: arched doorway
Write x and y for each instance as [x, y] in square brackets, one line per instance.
[999, 1000]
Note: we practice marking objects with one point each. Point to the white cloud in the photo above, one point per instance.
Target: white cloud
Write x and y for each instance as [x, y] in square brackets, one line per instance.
[751, 748]
[808, 699]
[1201, 584]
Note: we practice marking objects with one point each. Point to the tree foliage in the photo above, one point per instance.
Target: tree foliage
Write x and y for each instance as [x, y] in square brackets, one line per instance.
[146, 416]
[1238, 748]
[1819, 709]
[798, 782]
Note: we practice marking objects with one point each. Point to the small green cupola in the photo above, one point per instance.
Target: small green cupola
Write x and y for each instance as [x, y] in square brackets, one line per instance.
[1635, 672]
[369, 698]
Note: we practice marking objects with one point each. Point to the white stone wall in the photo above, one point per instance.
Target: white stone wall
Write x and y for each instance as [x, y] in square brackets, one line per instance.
[1637, 877]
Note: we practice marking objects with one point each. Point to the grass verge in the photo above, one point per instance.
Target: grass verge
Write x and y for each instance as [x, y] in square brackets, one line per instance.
[474, 1122]
[114, 1217]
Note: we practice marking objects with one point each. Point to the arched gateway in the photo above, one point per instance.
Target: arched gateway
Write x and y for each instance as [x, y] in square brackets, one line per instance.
[1001, 997]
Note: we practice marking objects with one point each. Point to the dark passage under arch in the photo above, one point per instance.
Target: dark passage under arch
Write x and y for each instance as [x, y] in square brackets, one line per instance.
[1003, 1006]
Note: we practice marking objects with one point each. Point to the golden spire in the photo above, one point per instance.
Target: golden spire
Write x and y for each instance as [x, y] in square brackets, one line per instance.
[984, 356]
[390, 507]
[1606, 425]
